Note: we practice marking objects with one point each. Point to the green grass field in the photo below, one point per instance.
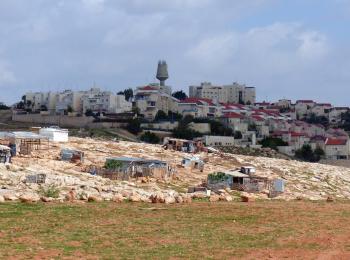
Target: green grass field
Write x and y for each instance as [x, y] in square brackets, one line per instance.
[198, 230]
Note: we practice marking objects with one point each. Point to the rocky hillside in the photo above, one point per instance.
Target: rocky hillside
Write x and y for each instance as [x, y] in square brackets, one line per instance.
[69, 181]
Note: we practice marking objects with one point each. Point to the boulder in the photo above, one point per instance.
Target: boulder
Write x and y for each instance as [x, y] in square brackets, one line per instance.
[2, 199]
[70, 196]
[214, 198]
[135, 198]
[169, 200]
[118, 198]
[46, 199]
[179, 199]
[94, 198]
[29, 197]
[187, 199]
[157, 198]
[246, 198]
[10, 197]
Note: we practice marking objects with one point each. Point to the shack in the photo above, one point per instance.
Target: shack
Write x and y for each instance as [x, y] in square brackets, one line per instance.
[183, 145]
[123, 168]
[55, 134]
[24, 142]
[72, 155]
[5, 154]
[245, 179]
[193, 163]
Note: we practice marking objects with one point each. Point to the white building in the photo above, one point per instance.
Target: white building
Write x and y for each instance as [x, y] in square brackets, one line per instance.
[234, 93]
[337, 148]
[151, 99]
[211, 140]
[77, 101]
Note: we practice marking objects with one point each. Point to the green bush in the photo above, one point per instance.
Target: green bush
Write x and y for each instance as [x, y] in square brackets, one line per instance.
[51, 191]
[217, 177]
[307, 154]
[272, 142]
[134, 126]
[149, 137]
[113, 164]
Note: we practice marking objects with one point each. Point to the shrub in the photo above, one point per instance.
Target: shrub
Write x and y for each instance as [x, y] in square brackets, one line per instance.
[217, 177]
[272, 142]
[51, 191]
[134, 126]
[113, 164]
[307, 154]
[149, 137]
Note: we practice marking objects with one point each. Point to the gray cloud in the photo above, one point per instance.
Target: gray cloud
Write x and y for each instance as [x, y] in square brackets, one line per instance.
[54, 45]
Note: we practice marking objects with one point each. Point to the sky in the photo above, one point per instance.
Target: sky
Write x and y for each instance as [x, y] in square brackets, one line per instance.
[296, 49]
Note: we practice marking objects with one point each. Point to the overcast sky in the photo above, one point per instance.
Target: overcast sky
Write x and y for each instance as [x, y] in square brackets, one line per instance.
[298, 49]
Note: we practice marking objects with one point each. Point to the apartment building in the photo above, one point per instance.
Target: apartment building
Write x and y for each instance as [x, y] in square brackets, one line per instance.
[199, 108]
[76, 101]
[234, 93]
[152, 98]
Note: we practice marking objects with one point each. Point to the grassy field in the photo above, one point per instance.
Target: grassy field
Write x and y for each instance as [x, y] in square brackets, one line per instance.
[260, 230]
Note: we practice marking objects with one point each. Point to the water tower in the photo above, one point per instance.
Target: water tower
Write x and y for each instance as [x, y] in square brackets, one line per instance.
[162, 72]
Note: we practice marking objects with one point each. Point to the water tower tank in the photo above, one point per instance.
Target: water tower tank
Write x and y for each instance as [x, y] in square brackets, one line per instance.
[162, 72]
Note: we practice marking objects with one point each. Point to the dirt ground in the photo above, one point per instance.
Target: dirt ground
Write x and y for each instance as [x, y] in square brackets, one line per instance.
[260, 230]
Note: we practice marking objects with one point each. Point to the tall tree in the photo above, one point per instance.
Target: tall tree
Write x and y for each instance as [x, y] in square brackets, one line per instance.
[180, 95]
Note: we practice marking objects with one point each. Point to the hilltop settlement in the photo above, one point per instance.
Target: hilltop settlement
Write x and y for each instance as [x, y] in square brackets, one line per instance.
[159, 146]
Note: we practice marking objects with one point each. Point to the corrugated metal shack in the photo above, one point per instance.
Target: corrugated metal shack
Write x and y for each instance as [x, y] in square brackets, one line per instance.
[23, 142]
[244, 179]
[123, 168]
[5, 154]
[183, 145]
[71, 155]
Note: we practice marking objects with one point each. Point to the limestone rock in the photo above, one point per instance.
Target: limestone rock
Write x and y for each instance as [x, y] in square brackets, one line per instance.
[2, 199]
[135, 198]
[118, 198]
[94, 198]
[169, 200]
[214, 198]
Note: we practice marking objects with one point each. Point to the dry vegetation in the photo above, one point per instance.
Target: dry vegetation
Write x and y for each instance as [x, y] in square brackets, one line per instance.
[262, 230]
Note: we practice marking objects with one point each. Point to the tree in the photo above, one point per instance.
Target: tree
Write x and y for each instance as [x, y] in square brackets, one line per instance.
[314, 119]
[128, 93]
[149, 137]
[272, 142]
[3, 106]
[217, 128]
[307, 154]
[174, 116]
[238, 135]
[89, 112]
[69, 109]
[161, 115]
[180, 95]
[134, 126]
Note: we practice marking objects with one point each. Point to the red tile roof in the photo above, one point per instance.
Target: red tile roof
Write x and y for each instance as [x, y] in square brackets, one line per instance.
[324, 104]
[258, 118]
[305, 101]
[233, 115]
[148, 88]
[197, 101]
[334, 141]
[296, 134]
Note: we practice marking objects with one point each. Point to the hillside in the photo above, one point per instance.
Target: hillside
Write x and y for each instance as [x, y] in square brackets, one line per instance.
[303, 180]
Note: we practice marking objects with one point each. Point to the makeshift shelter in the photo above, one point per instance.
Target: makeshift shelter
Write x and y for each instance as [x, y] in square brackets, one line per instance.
[193, 163]
[5, 154]
[183, 145]
[238, 180]
[72, 155]
[129, 167]
[24, 142]
[55, 134]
